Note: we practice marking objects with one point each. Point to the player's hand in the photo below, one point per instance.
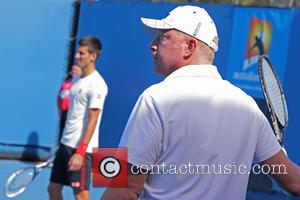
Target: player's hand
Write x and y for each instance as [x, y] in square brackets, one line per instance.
[76, 70]
[75, 162]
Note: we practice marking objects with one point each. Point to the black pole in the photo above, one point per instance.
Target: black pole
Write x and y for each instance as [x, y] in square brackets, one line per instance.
[73, 35]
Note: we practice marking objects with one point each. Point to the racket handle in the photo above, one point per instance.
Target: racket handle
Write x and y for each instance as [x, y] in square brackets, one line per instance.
[277, 132]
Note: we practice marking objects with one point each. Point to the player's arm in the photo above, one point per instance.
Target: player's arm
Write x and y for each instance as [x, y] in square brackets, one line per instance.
[286, 173]
[91, 125]
[76, 160]
[132, 192]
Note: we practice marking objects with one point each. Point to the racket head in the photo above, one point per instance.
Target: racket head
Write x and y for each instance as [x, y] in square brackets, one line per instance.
[273, 94]
[18, 181]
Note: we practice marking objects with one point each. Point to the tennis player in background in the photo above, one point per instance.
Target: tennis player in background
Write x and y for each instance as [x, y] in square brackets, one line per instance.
[73, 162]
[193, 118]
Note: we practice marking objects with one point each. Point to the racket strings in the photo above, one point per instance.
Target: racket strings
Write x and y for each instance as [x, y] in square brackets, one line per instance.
[19, 181]
[273, 90]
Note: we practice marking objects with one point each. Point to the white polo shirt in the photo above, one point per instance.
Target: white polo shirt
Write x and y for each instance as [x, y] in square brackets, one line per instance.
[86, 93]
[201, 133]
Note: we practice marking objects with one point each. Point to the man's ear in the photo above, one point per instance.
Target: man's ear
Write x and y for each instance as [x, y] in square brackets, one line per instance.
[191, 45]
[94, 56]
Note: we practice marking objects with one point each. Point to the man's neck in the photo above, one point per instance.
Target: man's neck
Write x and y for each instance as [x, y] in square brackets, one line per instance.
[201, 61]
[88, 70]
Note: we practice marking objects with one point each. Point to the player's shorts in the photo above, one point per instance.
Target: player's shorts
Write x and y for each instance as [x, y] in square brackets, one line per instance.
[78, 180]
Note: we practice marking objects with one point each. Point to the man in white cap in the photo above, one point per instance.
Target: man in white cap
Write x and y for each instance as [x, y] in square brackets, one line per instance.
[195, 135]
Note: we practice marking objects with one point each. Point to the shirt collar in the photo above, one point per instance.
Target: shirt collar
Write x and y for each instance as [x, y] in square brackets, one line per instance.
[196, 71]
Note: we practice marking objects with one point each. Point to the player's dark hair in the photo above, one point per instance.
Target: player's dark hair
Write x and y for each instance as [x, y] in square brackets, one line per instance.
[93, 44]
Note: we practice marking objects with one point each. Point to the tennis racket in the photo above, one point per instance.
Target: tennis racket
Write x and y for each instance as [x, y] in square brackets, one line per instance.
[19, 180]
[274, 97]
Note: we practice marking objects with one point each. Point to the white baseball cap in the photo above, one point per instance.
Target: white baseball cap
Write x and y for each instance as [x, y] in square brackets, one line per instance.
[191, 20]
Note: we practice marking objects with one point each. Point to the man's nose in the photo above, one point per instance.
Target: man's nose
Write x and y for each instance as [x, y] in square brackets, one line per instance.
[153, 45]
[77, 55]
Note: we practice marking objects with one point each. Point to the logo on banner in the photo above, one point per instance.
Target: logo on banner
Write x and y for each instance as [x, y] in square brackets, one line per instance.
[259, 39]
[258, 43]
